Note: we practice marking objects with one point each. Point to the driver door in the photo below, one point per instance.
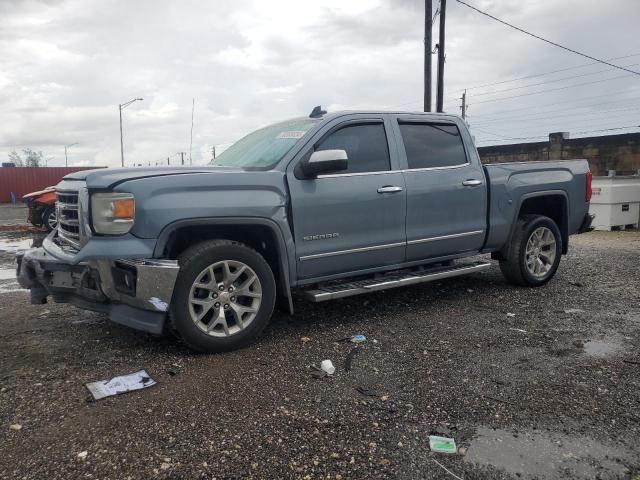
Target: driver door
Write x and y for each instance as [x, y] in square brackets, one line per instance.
[353, 220]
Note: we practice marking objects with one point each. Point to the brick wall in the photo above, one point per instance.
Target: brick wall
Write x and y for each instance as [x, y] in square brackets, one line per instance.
[607, 152]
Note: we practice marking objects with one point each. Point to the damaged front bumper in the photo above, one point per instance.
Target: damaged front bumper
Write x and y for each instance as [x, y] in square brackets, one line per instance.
[133, 292]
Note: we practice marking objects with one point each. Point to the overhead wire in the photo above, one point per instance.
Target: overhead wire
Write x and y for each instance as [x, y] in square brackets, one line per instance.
[550, 42]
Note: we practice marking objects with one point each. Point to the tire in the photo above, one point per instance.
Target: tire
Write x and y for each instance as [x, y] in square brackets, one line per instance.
[49, 219]
[199, 314]
[533, 260]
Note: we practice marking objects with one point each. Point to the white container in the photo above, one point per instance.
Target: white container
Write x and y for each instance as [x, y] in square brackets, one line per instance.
[328, 367]
[615, 202]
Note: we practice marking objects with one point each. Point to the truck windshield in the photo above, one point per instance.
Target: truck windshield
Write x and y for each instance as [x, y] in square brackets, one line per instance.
[265, 147]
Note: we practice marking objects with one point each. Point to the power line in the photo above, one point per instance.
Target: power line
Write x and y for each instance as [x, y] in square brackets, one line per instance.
[529, 118]
[546, 136]
[548, 90]
[547, 41]
[548, 81]
[549, 72]
[591, 97]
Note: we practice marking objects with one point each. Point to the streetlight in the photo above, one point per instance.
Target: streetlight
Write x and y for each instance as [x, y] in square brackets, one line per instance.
[121, 107]
[66, 158]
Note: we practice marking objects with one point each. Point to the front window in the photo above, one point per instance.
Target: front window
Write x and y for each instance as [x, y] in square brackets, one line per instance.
[265, 147]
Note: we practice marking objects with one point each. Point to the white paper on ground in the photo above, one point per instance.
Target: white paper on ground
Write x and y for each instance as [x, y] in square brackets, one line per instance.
[122, 384]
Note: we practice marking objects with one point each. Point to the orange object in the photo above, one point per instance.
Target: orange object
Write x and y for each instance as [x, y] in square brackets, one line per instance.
[124, 209]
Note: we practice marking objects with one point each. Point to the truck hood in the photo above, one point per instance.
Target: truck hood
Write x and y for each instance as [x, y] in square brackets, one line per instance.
[109, 177]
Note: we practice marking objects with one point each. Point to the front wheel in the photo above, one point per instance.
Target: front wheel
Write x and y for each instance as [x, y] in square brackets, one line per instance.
[224, 296]
[49, 218]
[534, 253]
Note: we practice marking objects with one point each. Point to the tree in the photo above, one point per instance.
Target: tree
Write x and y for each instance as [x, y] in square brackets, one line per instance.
[31, 158]
[15, 158]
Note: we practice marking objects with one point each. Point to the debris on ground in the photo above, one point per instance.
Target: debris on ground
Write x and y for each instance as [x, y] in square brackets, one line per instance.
[518, 330]
[447, 470]
[82, 455]
[327, 367]
[349, 360]
[15, 426]
[442, 444]
[574, 310]
[354, 339]
[509, 314]
[305, 339]
[122, 384]
[317, 372]
[366, 391]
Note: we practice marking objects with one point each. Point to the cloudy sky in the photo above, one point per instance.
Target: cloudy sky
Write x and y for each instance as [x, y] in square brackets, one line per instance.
[65, 65]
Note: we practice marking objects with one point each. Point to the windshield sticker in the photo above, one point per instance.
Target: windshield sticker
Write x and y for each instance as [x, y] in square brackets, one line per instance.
[291, 134]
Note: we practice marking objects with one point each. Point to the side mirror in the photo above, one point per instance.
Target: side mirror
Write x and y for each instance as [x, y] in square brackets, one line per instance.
[324, 162]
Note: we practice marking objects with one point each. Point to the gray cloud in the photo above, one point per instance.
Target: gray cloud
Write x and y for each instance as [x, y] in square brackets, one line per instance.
[66, 64]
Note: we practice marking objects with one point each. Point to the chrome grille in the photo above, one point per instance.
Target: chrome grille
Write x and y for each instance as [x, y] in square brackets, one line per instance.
[68, 218]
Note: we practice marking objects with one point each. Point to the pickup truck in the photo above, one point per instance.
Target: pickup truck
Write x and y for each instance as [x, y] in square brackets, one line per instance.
[325, 206]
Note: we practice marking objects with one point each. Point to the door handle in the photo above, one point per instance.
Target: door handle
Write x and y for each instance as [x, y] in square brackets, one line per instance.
[389, 189]
[472, 182]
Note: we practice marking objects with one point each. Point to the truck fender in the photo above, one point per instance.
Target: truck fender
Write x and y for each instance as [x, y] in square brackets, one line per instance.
[504, 251]
[283, 260]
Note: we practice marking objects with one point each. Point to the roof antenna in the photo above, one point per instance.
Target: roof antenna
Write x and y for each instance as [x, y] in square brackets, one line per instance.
[317, 112]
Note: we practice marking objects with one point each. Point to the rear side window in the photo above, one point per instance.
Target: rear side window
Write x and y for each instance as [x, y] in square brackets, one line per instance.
[431, 145]
[365, 144]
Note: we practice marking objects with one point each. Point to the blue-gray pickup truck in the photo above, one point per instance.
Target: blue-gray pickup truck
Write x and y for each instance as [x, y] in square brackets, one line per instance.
[327, 206]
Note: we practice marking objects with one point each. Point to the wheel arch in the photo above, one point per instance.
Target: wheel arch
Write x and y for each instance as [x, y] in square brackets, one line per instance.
[550, 203]
[261, 234]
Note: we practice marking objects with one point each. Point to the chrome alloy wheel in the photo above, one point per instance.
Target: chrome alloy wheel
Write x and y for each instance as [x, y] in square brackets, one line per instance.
[540, 252]
[52, 220]
[225, 298]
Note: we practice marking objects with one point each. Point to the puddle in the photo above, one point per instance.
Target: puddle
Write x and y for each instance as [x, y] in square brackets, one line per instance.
[602, 348]
[7, 273]
[15, 244]
[546, 455]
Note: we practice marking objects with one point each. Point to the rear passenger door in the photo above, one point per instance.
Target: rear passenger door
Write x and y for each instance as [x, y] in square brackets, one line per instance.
[446, 188]
[352, 220]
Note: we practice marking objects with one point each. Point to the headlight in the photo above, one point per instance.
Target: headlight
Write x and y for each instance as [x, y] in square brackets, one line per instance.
[112, 213]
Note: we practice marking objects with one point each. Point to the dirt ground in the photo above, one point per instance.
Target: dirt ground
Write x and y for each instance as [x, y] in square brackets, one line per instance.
[531, 383]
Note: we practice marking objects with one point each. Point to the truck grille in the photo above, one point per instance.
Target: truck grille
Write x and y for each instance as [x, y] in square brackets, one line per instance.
[68, 218]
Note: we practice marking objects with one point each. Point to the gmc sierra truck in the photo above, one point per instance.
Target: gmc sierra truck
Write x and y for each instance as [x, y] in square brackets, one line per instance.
[329, 205]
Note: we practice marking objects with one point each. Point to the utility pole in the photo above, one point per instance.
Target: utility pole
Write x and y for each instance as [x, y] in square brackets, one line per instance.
[440, 95]
[193, 106]
[121, 107]
[168, 162]
[66, 156]
[428, 22]
[463, 107]
[213, 152]
[182, 157]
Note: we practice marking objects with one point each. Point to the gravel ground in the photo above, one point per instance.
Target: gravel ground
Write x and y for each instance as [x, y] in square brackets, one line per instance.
[526, 389]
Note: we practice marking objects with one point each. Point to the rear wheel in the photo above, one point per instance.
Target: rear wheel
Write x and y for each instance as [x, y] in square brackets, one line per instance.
[224, 296]
[49, 218]
[535, 251]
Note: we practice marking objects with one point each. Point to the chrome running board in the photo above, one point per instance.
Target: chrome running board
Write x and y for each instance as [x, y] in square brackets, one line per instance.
[341, 289]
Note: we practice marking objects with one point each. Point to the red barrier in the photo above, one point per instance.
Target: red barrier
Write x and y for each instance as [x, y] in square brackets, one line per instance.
[23, 180]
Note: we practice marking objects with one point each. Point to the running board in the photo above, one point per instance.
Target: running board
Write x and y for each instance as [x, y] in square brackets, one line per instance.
[330, 291]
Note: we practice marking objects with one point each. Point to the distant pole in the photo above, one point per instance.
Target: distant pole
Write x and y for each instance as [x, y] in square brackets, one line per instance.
[168, 162]
[213, 152]
[463, 107]
[193, 106]
[182, 157]
[440, 94]
[66, 157]
[122, 106]
[121, 141]
[428, 22]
